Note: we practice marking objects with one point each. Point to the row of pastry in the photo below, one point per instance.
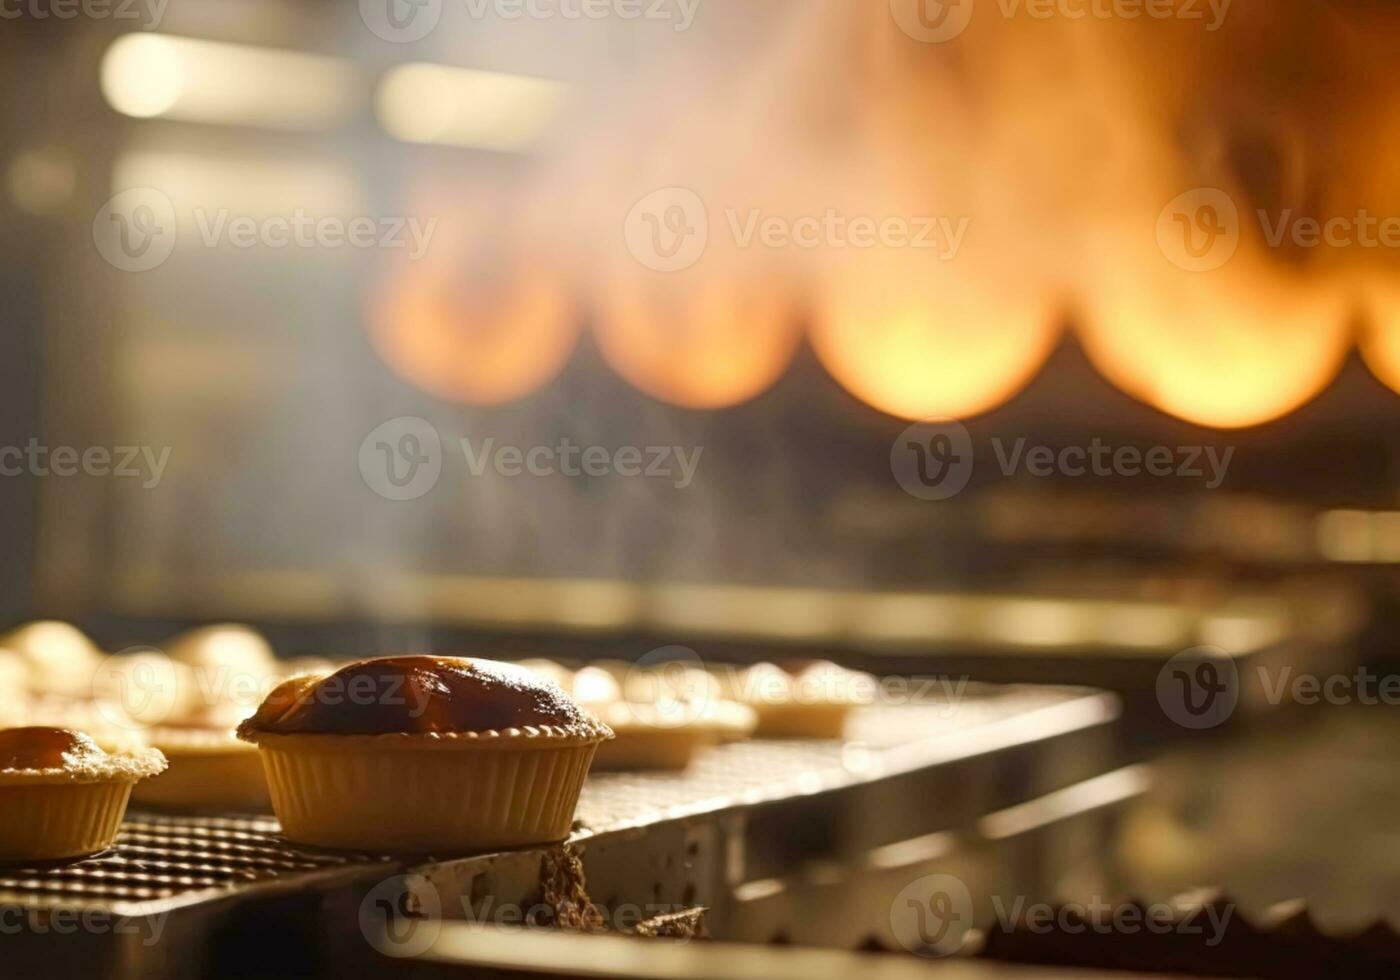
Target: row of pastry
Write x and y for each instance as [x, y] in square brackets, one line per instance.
[219, 723]
[665, 715]
[184, 701]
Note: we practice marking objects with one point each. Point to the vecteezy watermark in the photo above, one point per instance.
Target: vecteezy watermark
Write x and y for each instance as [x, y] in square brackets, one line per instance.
[143, 686]
[669, 229]
[402, 459]
[1200, 688]
[1200, 230]
[932, 916]
[402, 916]
[145, 13]
[934, 460]
[1097, 915]
[672, 687]
[138, 229]
[144, 463]
[1361, 230]
[405, 21]
[566, 458]
[70, 920]
[936, 21]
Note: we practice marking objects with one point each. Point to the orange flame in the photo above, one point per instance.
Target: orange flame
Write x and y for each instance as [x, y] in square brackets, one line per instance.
[482, 345]
[1380, 344]
[699, 344]
[1231, 348]
[930, 342]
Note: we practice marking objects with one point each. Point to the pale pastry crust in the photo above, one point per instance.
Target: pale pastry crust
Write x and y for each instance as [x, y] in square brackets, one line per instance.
[197, 741]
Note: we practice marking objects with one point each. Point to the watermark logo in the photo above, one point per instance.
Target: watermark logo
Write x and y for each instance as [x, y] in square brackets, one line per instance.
[932, 21]
[402, 916]
[933, 459]
[570, 459]
[144, 463]
[1361, 230]
[406, 21]
[138, 229]
[1101, 917]
[937, 21]
[139, 687]
[932, 915]
[146, 13]
[143, 686]
[673, 685]
[67, 920]
[942, 234]
[1199, 688]
[1199, 231]
[402, 458]
[667, 230]
[301, 229]
[400, 21]
[135, 231]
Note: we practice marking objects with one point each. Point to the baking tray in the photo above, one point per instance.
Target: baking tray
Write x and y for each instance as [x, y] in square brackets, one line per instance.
[226, 896]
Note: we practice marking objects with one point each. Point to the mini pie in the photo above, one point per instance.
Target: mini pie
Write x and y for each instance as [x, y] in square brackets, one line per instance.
[147, 687]
[61, 796]
[661, 727]
[810, 701]
[14, 679]
[424, 754]
[60, 658]
[230, 664]
[210, 768]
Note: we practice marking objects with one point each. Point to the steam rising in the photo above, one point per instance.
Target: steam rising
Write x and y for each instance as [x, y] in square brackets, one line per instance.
[1054, 143]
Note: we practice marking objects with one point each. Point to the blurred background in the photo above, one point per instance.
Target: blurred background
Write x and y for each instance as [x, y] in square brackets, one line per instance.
[291, 253]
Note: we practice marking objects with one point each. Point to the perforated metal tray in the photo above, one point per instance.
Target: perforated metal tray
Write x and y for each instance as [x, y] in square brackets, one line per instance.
[226, 895]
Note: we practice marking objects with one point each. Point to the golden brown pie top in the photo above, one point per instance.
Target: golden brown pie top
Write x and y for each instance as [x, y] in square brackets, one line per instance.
[421, 695]
[57, 754]
[43, 748]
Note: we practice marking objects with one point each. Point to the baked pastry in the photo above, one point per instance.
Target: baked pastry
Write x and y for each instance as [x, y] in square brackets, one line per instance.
[811, 700]
[210, 769]
[297, 666]
[424, 754]
[550, 670]
[230, 664]
[61, 796]
[14, 679]
[146, 687]
[59, 657]
[659, 725]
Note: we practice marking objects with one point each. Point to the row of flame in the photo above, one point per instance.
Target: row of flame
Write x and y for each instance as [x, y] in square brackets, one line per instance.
[1227, 354]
